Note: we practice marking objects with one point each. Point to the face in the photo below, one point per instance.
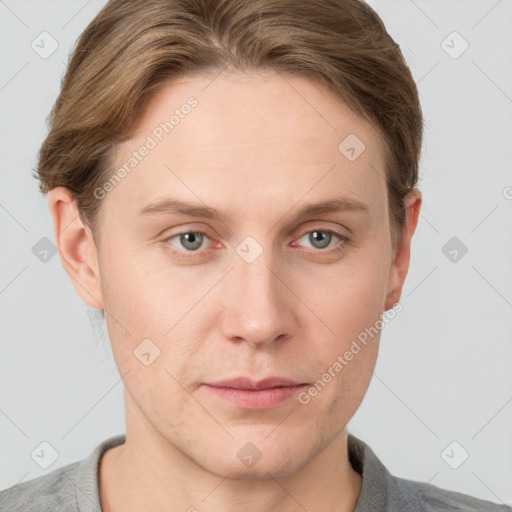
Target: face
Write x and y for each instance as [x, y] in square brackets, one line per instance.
[256, 289]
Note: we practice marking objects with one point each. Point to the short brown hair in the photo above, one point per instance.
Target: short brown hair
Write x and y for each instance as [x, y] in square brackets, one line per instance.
[134, 47]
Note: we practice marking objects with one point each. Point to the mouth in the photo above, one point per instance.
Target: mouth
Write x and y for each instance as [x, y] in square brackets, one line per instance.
[246, 393]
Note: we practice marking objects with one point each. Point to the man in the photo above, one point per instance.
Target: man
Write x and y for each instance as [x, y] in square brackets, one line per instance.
[233, 184]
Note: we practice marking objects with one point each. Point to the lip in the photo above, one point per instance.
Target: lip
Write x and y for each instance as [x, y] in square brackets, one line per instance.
[246, 393]
[246, 383]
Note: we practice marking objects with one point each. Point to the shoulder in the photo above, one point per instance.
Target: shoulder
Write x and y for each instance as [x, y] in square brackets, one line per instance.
[383, 491]
[425, 497]
[70, 488]
[52, 492]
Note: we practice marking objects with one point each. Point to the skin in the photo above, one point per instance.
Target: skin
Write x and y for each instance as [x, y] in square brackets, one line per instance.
[257, 147]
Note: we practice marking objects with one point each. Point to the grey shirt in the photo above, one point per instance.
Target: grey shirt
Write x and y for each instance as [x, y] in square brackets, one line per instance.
[74, 488]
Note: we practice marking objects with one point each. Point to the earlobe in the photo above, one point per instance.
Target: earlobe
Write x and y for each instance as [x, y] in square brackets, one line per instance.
[400, 264]
[77, 249]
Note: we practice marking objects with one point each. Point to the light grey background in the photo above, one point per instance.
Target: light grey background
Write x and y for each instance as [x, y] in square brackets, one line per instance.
[443, 373]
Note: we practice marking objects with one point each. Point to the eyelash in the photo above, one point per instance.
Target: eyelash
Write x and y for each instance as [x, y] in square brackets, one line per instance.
[339, 246]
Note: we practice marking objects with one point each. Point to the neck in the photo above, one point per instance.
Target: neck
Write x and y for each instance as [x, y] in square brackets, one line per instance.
[149, 473]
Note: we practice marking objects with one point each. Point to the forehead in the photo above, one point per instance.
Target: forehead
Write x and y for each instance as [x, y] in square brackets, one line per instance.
[252, 139]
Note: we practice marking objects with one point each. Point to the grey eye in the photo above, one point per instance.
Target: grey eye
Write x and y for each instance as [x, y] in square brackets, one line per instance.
[192, 240]
[320, 239]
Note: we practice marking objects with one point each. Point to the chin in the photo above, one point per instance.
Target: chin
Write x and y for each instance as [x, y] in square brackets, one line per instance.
[260, 471]
[248, 463]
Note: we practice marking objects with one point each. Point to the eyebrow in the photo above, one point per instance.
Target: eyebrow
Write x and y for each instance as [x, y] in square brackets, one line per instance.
[170, 206]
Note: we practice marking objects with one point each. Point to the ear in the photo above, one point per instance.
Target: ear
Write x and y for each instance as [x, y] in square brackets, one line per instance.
[400, 264]
[76, 246]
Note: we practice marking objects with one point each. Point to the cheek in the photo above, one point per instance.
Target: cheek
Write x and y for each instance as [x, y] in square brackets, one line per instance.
[135, 292]
[351, 316]
[343, 380]
[348, 300]
[153, 316]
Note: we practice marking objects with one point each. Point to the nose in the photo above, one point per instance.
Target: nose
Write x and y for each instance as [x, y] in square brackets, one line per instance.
[257, 304]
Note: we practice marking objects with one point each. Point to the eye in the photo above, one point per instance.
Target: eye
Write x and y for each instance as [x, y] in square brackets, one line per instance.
[191, 241]
[321, 238]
